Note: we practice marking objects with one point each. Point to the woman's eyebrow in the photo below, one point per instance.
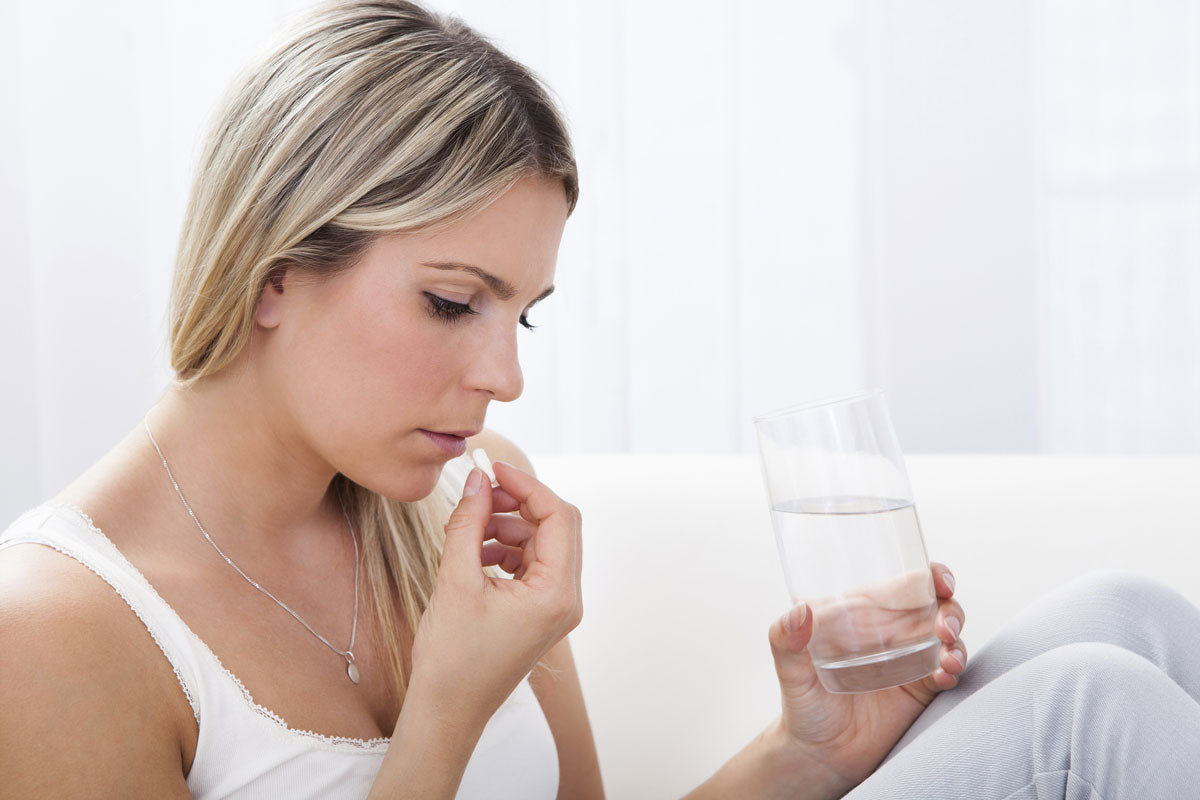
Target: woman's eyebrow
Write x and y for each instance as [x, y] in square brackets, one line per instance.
[500, 287]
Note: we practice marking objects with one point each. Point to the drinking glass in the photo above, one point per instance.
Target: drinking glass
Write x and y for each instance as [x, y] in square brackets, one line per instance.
[850, 541]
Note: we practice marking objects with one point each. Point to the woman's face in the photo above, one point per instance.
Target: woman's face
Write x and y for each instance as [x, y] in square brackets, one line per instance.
[384, 368]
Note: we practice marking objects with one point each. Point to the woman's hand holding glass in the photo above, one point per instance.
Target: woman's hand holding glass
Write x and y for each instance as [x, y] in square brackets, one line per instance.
[481, 635]
[844, 737]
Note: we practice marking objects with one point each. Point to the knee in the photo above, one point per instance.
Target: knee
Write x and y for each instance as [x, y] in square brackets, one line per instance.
[1087, 672]
[1088, 701]
[1123, 588]
[1092, 660]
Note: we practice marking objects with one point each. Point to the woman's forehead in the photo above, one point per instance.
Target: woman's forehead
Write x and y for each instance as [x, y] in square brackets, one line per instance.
[511, 244]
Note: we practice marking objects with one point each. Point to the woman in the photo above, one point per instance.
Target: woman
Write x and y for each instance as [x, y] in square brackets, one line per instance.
[377, 211]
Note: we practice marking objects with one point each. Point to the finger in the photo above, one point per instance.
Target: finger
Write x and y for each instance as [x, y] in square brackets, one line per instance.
[503, 502]
[536, 501]
[939, 681]
[496, 554]
[528, 557]
[789, 636]
[945, 677]
[951, 663]
[953, 658]
[943, 580]
[902, 592]
[559, 532]
[950, 621]
[462, 552]
[512, 531]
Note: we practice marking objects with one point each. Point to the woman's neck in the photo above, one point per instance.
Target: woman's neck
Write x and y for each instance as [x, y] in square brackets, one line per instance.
[242, 465]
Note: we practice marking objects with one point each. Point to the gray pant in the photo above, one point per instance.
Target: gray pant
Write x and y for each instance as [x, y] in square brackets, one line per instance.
[1092, 692]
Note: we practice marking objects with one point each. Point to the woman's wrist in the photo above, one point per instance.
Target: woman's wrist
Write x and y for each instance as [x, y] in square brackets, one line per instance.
[797, 770]
[773, 765]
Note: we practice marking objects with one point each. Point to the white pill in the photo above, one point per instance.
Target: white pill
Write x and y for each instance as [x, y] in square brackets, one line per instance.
[484, 463]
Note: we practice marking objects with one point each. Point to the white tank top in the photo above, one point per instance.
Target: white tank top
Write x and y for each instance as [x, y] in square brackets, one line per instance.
[247, 751]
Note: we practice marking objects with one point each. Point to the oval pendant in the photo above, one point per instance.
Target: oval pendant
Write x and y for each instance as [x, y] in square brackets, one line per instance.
[352, 671]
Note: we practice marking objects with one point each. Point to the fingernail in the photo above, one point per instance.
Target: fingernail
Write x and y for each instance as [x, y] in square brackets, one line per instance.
[954, 626]
[949, 579]
[958, 656]
[474, 483]
[794, 619]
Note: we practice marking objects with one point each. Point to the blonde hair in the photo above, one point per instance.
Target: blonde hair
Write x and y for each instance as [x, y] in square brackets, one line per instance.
[369, 117]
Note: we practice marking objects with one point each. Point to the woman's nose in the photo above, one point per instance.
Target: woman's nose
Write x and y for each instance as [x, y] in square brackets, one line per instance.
[496, 368]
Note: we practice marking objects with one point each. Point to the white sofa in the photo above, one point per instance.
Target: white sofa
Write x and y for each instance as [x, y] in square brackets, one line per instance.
[682, 579]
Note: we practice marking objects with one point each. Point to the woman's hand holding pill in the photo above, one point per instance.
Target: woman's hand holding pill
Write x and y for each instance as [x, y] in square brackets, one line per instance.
[481, 635]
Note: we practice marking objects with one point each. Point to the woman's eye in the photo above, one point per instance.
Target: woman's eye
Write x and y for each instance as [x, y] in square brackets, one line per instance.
[447, 310]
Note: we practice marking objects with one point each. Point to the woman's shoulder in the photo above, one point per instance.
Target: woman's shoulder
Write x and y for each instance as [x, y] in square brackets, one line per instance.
[75, 675]
[42, 589]
[58, 612]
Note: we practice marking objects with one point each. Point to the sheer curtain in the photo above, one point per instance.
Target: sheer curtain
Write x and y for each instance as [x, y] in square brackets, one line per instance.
[988, 209]
[1119, 225]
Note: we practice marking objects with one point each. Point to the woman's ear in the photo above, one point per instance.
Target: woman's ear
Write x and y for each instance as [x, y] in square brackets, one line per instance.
[270, 303]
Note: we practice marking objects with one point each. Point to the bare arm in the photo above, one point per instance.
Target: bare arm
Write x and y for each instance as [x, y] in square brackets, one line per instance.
[432, 745]
[555, 682]
[89, 710]
[768, 768]
[429, 749]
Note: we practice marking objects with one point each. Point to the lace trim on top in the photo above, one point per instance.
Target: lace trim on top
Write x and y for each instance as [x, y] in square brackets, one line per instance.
[378, 744]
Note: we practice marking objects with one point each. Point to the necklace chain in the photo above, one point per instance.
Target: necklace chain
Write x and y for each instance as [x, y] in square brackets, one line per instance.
[348, 653]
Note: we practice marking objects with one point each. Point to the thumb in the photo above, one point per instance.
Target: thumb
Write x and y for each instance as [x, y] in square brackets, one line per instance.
[789, 636]
[462, 554]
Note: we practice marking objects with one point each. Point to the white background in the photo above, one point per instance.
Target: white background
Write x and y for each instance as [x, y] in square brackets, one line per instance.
[991, 210]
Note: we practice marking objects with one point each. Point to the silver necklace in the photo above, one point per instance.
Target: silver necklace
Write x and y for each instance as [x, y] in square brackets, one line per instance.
[348, 653]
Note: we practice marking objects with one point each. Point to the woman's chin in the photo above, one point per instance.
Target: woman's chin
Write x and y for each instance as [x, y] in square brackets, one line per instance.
[415, 484]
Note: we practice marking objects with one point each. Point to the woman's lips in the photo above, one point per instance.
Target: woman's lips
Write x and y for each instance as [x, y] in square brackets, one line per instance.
[451, 444]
